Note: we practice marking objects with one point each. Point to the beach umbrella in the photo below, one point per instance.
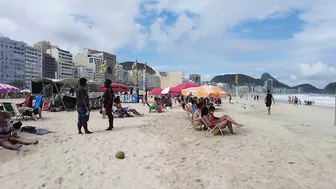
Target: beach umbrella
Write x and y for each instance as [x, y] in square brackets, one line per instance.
[116, 87]
[168, 90]
[25, 91]
[205, 91]
[178, 88]
[155, 92]
[5, 88]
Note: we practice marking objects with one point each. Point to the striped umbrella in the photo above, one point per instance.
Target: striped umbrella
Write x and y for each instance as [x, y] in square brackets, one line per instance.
[5, 88]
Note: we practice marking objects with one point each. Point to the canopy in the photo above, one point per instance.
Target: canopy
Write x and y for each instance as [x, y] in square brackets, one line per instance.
[205, 91]
[178, 88]
[66, 81]
[156, 91]
[25, 91]
[5, 88]
[116, 87]
[167, 90]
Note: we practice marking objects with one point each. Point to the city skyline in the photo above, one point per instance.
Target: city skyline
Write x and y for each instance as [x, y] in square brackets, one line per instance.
[292, 40]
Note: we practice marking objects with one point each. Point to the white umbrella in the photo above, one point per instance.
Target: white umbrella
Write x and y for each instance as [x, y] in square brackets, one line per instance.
[25, 91]
[165, 90]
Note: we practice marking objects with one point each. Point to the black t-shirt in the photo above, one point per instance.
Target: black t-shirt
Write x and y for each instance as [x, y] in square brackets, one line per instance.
[269, 98]
[80, 96]
[108, 99]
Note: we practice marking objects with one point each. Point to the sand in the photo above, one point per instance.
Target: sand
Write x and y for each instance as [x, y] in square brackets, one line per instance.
[292, 148]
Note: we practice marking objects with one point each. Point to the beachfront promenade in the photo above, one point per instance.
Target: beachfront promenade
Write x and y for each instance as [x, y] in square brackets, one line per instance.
[295, 147]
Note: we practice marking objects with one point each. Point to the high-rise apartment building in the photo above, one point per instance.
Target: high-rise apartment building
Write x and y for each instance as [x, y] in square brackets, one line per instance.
[33, 64]
[49, 67]
[65, 65]
[85, 72]
[269, 84]
[196, 78]
[12, 60]
[93, 59]
[43, 46]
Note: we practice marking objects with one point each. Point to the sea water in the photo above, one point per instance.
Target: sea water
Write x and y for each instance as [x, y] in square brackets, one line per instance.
[320, 100]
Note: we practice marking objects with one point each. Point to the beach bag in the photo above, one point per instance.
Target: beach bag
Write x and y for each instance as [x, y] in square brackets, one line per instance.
[28, 129]
[17, 125]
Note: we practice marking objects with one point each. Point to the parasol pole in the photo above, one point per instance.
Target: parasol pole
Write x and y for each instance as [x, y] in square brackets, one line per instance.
[335, 107]
[144, 85]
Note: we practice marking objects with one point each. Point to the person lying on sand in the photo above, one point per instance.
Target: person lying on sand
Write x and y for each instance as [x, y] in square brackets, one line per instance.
[224, 117]
[9, 139]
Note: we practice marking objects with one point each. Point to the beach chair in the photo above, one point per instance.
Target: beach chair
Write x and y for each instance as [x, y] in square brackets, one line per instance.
[193, 126]
[12, 109]
[28, 102]
[213, 130]
[46, 105]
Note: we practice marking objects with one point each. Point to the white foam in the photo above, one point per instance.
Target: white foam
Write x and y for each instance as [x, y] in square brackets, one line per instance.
[320, 100]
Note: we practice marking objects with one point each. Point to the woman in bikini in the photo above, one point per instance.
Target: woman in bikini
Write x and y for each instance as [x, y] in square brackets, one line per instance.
[8, 139]
[211, 121]
[225, 118]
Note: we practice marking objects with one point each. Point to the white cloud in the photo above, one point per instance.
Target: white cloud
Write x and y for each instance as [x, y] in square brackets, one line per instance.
[200, 31]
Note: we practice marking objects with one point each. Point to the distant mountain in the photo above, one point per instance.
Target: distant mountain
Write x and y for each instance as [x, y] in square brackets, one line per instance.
[245, 79]
[128, 66]
[330, 88]
[308, 88]
[266, 76]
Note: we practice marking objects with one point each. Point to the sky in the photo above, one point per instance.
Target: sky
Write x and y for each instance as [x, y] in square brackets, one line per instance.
[294, 41]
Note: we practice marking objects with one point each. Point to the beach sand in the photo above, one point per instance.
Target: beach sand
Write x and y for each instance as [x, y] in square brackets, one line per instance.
[295, 147]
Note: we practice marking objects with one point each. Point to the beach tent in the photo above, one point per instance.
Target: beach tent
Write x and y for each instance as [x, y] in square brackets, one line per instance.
[45, 87]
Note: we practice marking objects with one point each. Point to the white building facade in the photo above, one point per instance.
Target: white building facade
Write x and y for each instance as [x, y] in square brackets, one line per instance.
[12, 60]
[33, 64]
[93, 59]
[65, 65]
[85, 72]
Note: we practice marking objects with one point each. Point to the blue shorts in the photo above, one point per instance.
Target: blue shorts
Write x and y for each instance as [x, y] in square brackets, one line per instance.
[82, 116]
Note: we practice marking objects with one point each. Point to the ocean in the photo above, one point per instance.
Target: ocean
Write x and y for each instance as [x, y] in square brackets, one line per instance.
[320, 100]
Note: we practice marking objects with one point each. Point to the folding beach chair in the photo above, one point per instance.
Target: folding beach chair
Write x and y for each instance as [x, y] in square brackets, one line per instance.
[212, 130]
[193, 126]
[46, 105]
[12, 109]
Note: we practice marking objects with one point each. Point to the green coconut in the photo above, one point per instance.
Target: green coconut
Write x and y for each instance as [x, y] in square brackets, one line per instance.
[120, 155]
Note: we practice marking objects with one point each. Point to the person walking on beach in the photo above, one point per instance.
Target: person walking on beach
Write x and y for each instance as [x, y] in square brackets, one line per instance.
[83, 108]
[296, 101]
[108, 103]
[268, 101]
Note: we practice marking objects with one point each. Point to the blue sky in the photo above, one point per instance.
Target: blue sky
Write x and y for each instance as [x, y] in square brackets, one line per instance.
[295, 41]
[277, 27]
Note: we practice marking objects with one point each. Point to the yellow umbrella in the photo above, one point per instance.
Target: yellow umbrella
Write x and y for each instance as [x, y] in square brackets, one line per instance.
[205, 91]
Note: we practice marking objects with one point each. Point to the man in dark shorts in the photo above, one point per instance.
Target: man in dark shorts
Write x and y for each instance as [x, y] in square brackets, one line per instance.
[83, 108]
[268, 101]
[108, 103]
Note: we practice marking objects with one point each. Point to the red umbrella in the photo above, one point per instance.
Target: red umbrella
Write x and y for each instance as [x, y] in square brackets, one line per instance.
[156, 91]
[180, 87]
[116, 87]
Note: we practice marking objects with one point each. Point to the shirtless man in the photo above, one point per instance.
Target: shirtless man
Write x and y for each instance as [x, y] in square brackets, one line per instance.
[8, 139]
